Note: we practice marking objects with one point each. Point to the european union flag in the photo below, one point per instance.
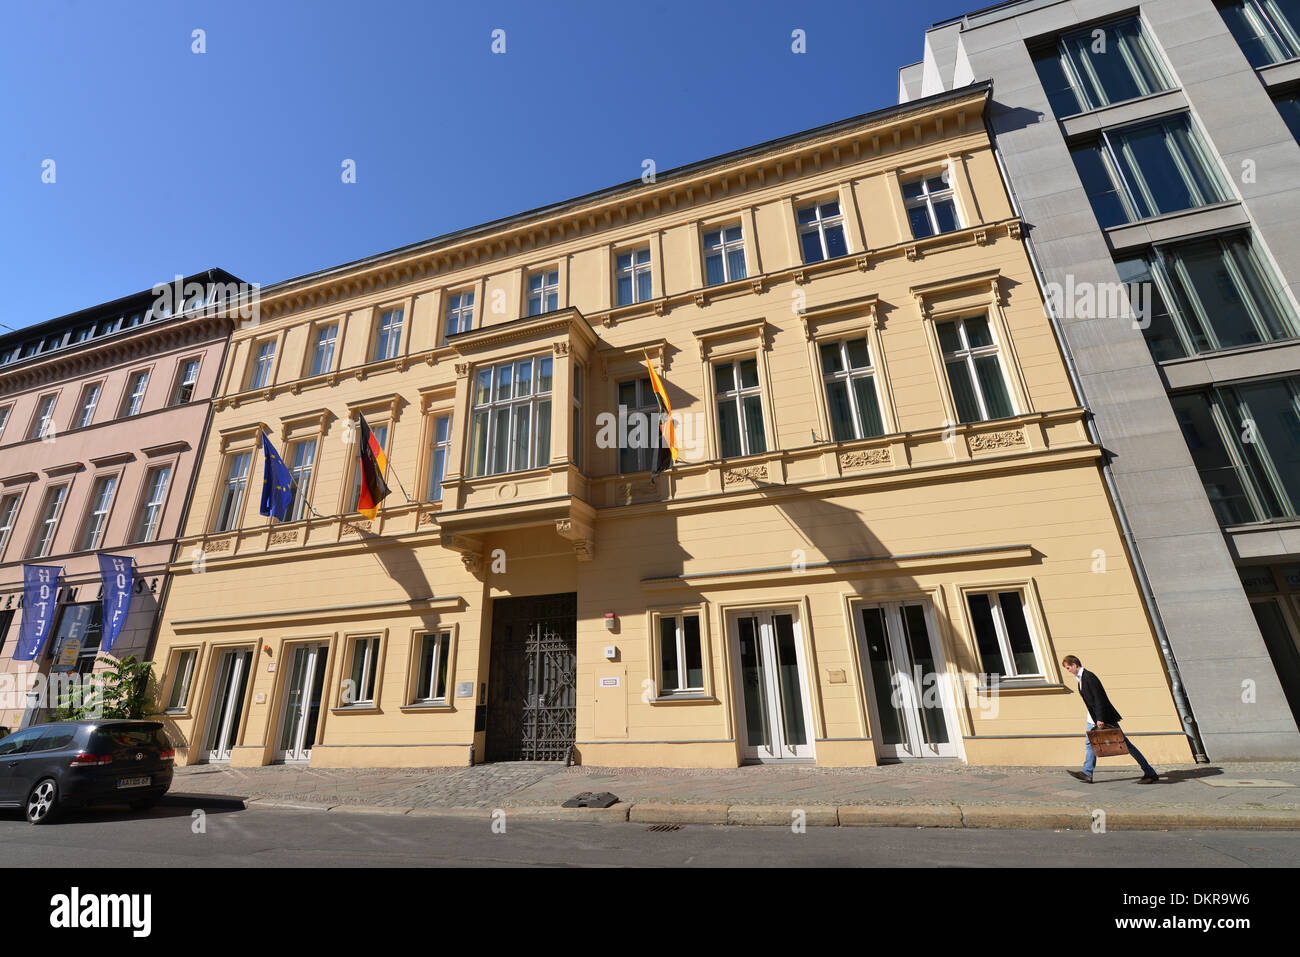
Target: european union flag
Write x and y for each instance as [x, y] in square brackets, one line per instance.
[277, 483]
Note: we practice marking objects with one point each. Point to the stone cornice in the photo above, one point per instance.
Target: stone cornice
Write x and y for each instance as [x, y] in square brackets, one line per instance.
[879, 136]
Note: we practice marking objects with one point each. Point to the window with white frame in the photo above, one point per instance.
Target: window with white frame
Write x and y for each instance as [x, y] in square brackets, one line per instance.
[975, 376]
[51, 509]
[86, 410]
[511, 426]
[322, 355]
[724, 255]
[639, 408]
[1002, 634]
[388, 335]
[439, 449]
[632, 275]
[821, 231]
[259, 373]
[155, 485]
[8, 516]
[460, 312]
[301, 461]
[360, 687]
[101, 500]
[578, 434]
[931, 206]
[681, 655]
[850, 381]
[431, 680]
[231, 502]
[4, 418]
[543, 291]
[380, 432]
[43, 424]
[186, 380]
[133, 401]
[740, 408]
[182, 675]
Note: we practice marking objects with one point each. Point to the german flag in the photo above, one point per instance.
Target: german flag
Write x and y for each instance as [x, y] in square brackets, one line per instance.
[668, 450]
[374, 466]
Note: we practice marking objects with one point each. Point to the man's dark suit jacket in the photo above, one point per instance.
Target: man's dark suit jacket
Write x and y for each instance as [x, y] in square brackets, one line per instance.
[1094, 697]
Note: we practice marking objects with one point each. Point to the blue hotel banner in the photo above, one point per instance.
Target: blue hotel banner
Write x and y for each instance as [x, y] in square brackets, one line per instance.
[40, 594]
[118, 579]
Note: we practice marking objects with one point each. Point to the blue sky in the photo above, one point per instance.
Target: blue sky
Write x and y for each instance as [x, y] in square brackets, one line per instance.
[167, 161]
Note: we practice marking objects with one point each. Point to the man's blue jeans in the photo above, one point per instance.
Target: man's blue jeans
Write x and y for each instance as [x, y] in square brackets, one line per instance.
[1090, 759]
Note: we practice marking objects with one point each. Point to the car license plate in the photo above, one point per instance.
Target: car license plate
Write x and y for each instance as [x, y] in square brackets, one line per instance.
[133, 782]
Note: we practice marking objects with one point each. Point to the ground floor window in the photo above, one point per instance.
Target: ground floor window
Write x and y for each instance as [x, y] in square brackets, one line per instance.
[365, 665]
[1002, 634]
[182, 673]
[681, 655]
[431, 681]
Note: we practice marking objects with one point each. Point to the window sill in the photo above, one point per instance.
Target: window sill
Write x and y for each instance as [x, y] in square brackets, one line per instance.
[693, 697]
[426, 707]
[1122, 112]
[176, 713]
[1021, 685]
[364, 708]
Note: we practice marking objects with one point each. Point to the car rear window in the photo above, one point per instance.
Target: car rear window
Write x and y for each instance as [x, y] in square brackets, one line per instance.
[133, 736]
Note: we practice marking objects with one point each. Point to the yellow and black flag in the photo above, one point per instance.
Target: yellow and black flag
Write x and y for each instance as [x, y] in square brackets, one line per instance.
[374, 466]
[668, 450]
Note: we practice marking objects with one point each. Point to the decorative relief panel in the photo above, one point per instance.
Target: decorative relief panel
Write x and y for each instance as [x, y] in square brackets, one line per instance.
[865, 458]
[217, 545]
[284, 538]
[1006, 439]
[744, 474]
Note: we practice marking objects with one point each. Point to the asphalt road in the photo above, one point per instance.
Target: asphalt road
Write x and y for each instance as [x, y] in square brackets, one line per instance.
[165, 837]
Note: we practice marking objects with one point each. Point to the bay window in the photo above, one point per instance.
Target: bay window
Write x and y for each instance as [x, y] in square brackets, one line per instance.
[510, 428]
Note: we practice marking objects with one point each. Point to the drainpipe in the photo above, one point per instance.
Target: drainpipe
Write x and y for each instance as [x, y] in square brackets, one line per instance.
[1130, 544]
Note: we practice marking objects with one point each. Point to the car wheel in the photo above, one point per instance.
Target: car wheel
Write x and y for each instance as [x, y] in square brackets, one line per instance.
[143, 804]
[43, 802]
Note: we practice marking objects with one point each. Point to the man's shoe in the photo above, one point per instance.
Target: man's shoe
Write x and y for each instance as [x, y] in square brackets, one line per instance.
[1150, 779]
[1085, 778]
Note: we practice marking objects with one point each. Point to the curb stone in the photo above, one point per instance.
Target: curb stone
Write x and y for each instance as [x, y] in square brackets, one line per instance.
[892, 815]
[678, 813]
[367, 809]
[1026, 817]
[818, 815]
[1179, 818]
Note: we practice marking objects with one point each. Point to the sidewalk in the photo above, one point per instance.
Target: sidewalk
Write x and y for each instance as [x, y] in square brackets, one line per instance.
[944, 795]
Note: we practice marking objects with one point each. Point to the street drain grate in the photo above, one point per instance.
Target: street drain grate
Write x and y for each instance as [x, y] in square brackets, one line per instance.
[664, 827]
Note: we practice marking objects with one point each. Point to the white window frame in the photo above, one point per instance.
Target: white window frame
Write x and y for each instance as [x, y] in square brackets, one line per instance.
[136, 386]
[738, 396]
[636, 269]
[148, 521]
[302, 473]
[97, 512]
[369, 673]
[89, 400]
[442, 653]
[236, 483]
[679, 627]
[5, 413]
[968, 355]
[1004, 637]
[648, 406]
[820, 224]
[52, 504]
[548, 289]
[388, 333]
[44, 416]
[323, 346]
[261, 364]
[436, 445]
[927, 201]
[182, 678]
[723, 249]
[459, 316]
[8, 517]
[184, 379]
[848, 375]
[532, 402]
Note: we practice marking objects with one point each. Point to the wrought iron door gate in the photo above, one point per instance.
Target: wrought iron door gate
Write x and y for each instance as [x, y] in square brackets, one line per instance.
[532, 694]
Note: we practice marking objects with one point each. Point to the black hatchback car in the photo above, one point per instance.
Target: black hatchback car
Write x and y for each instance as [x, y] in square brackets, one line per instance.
[73, 763]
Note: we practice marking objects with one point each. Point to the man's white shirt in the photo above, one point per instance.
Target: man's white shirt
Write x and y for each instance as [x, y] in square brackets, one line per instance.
[1079, 676]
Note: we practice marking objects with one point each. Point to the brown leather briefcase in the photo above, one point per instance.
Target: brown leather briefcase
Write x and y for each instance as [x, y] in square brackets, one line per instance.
[1107, 742]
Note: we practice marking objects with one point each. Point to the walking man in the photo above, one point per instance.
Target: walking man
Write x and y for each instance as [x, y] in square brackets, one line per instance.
[1100, 714]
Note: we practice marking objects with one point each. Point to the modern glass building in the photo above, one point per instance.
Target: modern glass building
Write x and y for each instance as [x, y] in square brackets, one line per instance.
[1151, 149]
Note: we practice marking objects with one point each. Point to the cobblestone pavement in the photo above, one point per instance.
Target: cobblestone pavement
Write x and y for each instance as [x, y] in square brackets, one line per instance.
[521, 784]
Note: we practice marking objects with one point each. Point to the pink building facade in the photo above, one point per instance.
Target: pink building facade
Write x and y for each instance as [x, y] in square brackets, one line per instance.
[103, 414]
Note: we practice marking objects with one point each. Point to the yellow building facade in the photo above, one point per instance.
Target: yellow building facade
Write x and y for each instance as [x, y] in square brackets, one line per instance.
[887, 525]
